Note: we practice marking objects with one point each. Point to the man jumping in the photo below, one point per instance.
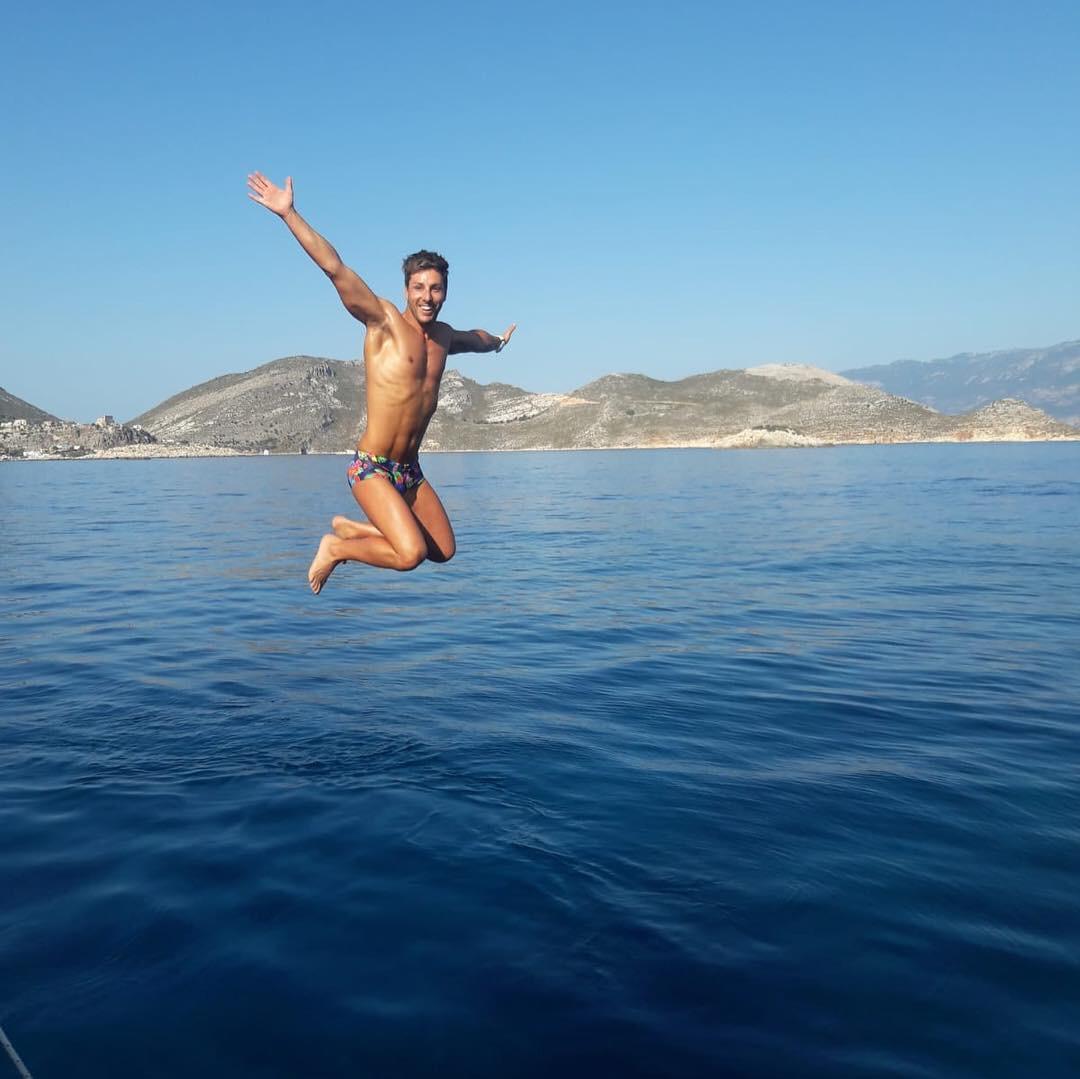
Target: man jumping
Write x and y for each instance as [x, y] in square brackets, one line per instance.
[404, 359]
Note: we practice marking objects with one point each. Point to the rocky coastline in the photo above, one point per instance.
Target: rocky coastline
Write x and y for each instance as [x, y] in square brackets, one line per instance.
[749, 438]
[304, 404]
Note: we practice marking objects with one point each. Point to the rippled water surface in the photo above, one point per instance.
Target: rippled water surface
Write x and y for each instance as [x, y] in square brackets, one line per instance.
[691, 763]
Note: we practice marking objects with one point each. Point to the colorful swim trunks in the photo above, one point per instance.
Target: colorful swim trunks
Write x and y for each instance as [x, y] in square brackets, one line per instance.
[403, 476]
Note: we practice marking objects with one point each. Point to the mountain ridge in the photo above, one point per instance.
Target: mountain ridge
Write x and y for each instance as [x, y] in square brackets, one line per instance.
[1048, 378]
[316, 404]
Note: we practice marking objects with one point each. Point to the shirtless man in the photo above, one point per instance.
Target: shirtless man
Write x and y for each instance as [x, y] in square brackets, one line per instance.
[404, 357]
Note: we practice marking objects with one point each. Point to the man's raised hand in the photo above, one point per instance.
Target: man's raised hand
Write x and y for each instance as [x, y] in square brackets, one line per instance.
[506, 337]
[271, 196]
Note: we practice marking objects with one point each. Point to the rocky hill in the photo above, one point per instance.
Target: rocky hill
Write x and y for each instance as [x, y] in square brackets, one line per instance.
[1048, 378]
[295, 404]
[15, 408]
[304, 403]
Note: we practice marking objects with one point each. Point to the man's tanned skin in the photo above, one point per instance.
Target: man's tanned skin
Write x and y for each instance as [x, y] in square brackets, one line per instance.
[404, 358]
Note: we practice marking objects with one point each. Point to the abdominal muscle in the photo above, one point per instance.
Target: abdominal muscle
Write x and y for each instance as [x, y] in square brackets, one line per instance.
[399, 441]
[398, 411]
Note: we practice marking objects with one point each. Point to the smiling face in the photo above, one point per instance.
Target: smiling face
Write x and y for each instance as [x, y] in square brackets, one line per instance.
[425, 293]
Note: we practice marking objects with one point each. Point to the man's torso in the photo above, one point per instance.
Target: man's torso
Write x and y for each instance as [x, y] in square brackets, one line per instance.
[403, 369]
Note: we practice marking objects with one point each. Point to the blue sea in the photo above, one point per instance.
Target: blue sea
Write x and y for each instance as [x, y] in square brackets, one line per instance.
[691, 763]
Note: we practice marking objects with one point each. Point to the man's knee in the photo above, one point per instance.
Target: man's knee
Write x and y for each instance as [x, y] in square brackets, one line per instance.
[411, 555]
[442, 554]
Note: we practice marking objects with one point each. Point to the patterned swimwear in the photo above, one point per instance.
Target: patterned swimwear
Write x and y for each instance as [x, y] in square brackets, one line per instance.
[403, 476]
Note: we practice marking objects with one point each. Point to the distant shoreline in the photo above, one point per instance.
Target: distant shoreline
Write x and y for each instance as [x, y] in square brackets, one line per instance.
[176, 453]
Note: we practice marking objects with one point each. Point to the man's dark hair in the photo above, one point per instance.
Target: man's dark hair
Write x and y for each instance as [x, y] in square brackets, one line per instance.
[426, 260]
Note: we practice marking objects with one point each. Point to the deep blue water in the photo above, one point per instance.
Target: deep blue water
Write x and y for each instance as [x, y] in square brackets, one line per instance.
[691, 764]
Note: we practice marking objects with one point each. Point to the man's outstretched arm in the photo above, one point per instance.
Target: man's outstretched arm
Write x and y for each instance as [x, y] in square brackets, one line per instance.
[480, 340]
[358, 299]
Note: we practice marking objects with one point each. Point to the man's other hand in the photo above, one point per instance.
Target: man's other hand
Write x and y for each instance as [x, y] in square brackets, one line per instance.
[268, 194]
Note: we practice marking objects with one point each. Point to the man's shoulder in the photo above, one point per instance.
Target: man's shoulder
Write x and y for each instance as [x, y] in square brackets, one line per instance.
[391, 316]
[444, 330]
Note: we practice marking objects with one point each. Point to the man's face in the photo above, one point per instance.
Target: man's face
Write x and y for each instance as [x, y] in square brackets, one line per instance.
[425, 294]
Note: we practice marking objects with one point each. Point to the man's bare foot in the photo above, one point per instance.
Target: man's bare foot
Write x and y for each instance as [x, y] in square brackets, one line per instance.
[344, 528]
[322, 565]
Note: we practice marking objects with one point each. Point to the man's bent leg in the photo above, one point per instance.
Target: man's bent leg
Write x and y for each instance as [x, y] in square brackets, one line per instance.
[434, 523]
[429, 512]
[398, 542]
[393, 520]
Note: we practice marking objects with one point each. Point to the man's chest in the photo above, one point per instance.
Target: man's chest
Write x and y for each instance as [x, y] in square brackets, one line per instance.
[413, 371]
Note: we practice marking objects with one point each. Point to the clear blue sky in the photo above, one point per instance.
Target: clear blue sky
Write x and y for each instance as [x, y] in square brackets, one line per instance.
[668, 188]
